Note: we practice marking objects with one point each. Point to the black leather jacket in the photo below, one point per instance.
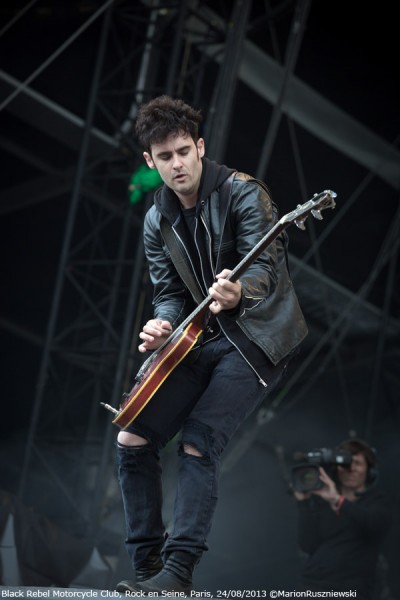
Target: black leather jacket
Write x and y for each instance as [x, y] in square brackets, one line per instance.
[269, 313]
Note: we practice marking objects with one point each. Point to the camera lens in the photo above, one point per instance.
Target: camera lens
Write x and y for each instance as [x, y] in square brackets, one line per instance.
[305, 478]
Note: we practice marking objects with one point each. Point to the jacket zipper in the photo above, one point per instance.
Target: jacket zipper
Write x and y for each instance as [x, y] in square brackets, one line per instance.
[260, 379]
[222, 329]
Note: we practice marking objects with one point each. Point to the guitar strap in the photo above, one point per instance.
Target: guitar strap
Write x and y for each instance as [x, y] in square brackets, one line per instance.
[224, 195]
[180, 264]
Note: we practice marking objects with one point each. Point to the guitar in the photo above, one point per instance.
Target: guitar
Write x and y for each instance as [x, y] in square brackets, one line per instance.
[162, 361]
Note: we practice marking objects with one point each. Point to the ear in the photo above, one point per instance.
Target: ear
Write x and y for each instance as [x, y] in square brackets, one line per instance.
[200, 147]
[149, 160]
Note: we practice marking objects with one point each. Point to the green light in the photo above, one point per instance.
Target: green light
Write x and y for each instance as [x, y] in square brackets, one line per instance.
[143, 180]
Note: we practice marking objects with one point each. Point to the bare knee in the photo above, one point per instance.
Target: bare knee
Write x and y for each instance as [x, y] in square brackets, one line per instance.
[131, 439]
[189, 449]
[197, 440]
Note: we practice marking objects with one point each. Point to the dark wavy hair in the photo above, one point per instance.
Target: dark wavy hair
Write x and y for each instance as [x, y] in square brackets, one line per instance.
[357, 446]
[164, 116]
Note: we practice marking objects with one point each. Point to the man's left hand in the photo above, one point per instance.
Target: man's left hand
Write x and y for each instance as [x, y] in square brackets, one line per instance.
[226, 294]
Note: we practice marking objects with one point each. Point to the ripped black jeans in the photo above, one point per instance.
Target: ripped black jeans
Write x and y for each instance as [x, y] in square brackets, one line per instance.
[207, 397]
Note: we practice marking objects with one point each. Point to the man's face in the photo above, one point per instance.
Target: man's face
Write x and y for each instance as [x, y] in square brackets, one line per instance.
[178, 161]
[355, 476]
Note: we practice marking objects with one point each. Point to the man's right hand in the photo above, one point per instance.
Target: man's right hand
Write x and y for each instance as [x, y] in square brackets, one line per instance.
[154, 334]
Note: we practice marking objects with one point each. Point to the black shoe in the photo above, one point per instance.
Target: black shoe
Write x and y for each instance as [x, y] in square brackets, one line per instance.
[151, 567]
[176, 576]
[165, 581]
[126, 586]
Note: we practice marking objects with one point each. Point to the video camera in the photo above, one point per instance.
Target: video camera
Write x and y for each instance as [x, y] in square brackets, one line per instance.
[305, 475]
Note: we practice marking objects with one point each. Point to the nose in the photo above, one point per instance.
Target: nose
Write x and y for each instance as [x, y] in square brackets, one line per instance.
[176, 163]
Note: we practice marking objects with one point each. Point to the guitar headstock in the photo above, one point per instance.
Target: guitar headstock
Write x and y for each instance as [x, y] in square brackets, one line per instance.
[318, 203]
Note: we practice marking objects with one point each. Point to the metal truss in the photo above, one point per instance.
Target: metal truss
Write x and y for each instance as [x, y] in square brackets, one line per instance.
[100, 292]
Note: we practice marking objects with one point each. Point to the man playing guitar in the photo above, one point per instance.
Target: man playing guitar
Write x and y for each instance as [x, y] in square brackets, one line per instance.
[205, 219]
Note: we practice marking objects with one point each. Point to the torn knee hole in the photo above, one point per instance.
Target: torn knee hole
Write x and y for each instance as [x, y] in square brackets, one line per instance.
[125, 439]
[189, 449]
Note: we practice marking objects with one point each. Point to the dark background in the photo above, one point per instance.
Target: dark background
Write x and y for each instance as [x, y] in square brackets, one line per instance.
[70, 241]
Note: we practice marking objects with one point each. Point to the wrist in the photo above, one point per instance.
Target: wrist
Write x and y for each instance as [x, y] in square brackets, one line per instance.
[337, 503]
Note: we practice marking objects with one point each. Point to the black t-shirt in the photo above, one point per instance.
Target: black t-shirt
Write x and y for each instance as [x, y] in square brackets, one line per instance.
[343, 547]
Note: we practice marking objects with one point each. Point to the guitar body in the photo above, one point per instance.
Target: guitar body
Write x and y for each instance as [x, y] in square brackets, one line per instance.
[169, 357]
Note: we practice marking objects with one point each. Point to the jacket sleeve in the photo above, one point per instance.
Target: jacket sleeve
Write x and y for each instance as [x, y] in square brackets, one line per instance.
[170, 296]
[254, 215]
[270, 314]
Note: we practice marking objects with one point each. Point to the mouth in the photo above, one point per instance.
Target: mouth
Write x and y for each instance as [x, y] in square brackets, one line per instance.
[180, 177]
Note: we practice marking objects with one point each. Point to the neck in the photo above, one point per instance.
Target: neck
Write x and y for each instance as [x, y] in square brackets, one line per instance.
[188, 201]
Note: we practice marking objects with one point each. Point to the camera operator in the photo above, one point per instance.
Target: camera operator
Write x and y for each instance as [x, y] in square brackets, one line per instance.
[342, 525]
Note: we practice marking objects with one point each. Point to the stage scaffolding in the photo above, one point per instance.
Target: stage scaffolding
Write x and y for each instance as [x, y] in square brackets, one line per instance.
[101, 294]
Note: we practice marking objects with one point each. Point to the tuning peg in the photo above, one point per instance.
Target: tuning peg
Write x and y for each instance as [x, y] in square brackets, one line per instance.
[300, 223]
[317, 214]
